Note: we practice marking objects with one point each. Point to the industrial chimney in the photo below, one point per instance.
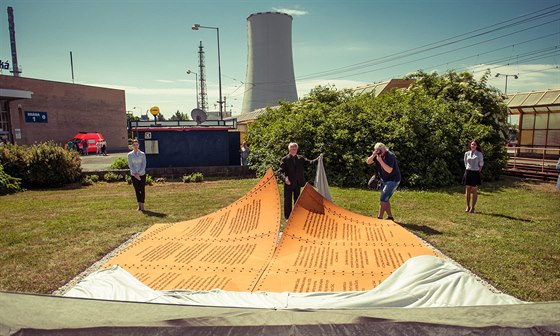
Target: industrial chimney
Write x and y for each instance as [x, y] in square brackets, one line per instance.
[270, 69]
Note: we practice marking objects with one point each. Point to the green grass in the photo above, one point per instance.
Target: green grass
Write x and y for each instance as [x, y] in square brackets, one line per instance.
[47, 237]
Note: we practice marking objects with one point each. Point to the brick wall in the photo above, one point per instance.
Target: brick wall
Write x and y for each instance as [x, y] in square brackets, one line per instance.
[70, 108]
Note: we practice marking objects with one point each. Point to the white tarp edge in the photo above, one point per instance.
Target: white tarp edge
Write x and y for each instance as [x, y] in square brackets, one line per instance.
[321, 182]
[422, 281]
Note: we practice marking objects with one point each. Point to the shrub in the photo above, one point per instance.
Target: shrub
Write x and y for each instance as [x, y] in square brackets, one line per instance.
[120, 163]
[111, 177]
[194, 177]
[43, 165]
[90, 180]
[8, 184]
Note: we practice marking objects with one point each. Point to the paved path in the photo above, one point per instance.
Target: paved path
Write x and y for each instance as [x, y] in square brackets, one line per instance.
[94, 162]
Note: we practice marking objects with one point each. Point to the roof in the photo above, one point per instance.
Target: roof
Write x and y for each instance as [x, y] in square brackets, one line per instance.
[534, 98]
[382, 87]
[10, 94]
[249, 116]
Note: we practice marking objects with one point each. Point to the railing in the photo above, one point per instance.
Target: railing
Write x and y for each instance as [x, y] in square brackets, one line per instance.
[229, 123]
[535, 158]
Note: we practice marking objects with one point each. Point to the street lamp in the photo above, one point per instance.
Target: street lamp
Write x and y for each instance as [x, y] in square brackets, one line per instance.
[506, 76]
[196, 26]
[196, 79]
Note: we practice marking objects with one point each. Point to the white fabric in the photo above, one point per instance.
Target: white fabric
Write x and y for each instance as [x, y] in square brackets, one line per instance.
[422, 281]
[321, 183]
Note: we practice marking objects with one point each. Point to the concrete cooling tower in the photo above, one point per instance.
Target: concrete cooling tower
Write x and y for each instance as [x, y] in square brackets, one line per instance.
[270, 69]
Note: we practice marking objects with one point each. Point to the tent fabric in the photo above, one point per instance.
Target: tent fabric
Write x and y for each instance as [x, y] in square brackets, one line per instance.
[321, 182]
[31, 314]
[423, 281]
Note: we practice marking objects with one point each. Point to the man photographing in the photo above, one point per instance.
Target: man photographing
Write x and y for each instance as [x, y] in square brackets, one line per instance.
[389, 174]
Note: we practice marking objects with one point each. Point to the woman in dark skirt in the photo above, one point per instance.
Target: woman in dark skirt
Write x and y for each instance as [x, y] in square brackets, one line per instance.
[474, 161]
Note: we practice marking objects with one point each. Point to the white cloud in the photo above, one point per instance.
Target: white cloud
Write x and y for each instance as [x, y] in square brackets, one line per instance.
[293, 12]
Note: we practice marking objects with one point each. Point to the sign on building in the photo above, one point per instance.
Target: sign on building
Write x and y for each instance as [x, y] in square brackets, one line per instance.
[36, 117]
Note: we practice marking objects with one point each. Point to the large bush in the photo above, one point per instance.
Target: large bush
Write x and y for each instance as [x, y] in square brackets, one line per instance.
[43, 165]
[119, 163]
[428, 127]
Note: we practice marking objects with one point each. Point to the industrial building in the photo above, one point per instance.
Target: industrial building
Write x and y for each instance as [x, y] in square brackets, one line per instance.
[34, 110]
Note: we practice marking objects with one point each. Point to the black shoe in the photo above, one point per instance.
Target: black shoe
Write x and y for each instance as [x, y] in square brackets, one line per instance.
[390, 218]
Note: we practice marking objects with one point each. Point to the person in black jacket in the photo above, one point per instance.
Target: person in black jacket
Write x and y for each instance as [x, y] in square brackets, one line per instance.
[292, 174]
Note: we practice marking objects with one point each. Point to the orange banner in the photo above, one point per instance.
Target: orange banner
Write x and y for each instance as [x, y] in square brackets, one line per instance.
[228, 249]
[324, 248]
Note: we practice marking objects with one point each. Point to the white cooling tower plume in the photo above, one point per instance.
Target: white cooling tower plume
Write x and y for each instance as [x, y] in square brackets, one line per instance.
[270, 68]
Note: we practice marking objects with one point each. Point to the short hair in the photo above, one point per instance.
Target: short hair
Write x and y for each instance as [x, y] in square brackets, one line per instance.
[292, 144]
[380, 145]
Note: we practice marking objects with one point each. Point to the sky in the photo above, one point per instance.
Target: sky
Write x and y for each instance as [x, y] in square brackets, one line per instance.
[145, 47]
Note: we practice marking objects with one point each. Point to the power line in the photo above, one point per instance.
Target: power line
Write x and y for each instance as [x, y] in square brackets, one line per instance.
[537, 15]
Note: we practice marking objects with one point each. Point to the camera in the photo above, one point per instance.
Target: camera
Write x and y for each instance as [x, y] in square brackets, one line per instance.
[378, 152]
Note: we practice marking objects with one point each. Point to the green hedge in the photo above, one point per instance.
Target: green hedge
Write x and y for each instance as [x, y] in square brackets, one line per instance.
[44, 165]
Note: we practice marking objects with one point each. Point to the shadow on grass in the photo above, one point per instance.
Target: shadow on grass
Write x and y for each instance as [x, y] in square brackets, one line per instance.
[421, 228]
[154, 214]
[505, 216]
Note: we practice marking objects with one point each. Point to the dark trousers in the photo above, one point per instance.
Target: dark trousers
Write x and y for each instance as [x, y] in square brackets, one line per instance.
[139, 188]
[291, 194]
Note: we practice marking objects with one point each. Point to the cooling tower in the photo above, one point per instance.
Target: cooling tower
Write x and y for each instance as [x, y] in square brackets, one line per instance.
[270, 69]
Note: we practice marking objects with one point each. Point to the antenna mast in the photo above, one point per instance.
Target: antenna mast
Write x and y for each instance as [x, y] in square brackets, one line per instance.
[12, 27]
[202, 78]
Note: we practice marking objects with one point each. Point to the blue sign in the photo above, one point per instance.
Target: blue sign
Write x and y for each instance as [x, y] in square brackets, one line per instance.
[36, 117]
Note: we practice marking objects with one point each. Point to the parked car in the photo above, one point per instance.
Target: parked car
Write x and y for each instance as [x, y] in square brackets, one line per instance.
[92, 139]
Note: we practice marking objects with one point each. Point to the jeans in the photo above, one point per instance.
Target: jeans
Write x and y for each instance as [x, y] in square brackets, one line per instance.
[388, 189]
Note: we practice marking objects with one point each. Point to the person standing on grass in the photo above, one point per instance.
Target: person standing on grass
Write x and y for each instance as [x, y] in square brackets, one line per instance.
[558, 168]
[244, 153]
[292, 173]
[389, 174]
[137, 164]
[474, 161]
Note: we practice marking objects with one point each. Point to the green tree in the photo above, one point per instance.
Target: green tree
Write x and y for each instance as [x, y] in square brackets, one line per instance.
[428, 127]
[179, 116]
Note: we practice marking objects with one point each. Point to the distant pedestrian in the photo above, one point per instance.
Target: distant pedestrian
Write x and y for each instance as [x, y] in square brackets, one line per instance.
[104, 148]
[137, 164]
[98, 148]
[85, 147]
[244, 153]
[70, 145]
[474, 161]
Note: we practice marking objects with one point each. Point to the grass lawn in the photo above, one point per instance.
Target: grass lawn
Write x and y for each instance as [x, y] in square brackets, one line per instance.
[47, 237]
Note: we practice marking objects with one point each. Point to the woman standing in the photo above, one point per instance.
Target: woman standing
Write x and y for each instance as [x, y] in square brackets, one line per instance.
[137, 165]
[474, 161]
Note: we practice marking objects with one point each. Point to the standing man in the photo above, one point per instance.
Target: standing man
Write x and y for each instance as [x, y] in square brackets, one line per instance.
[389, 174]
[137, 164]
[85, 147]
[292, 174]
